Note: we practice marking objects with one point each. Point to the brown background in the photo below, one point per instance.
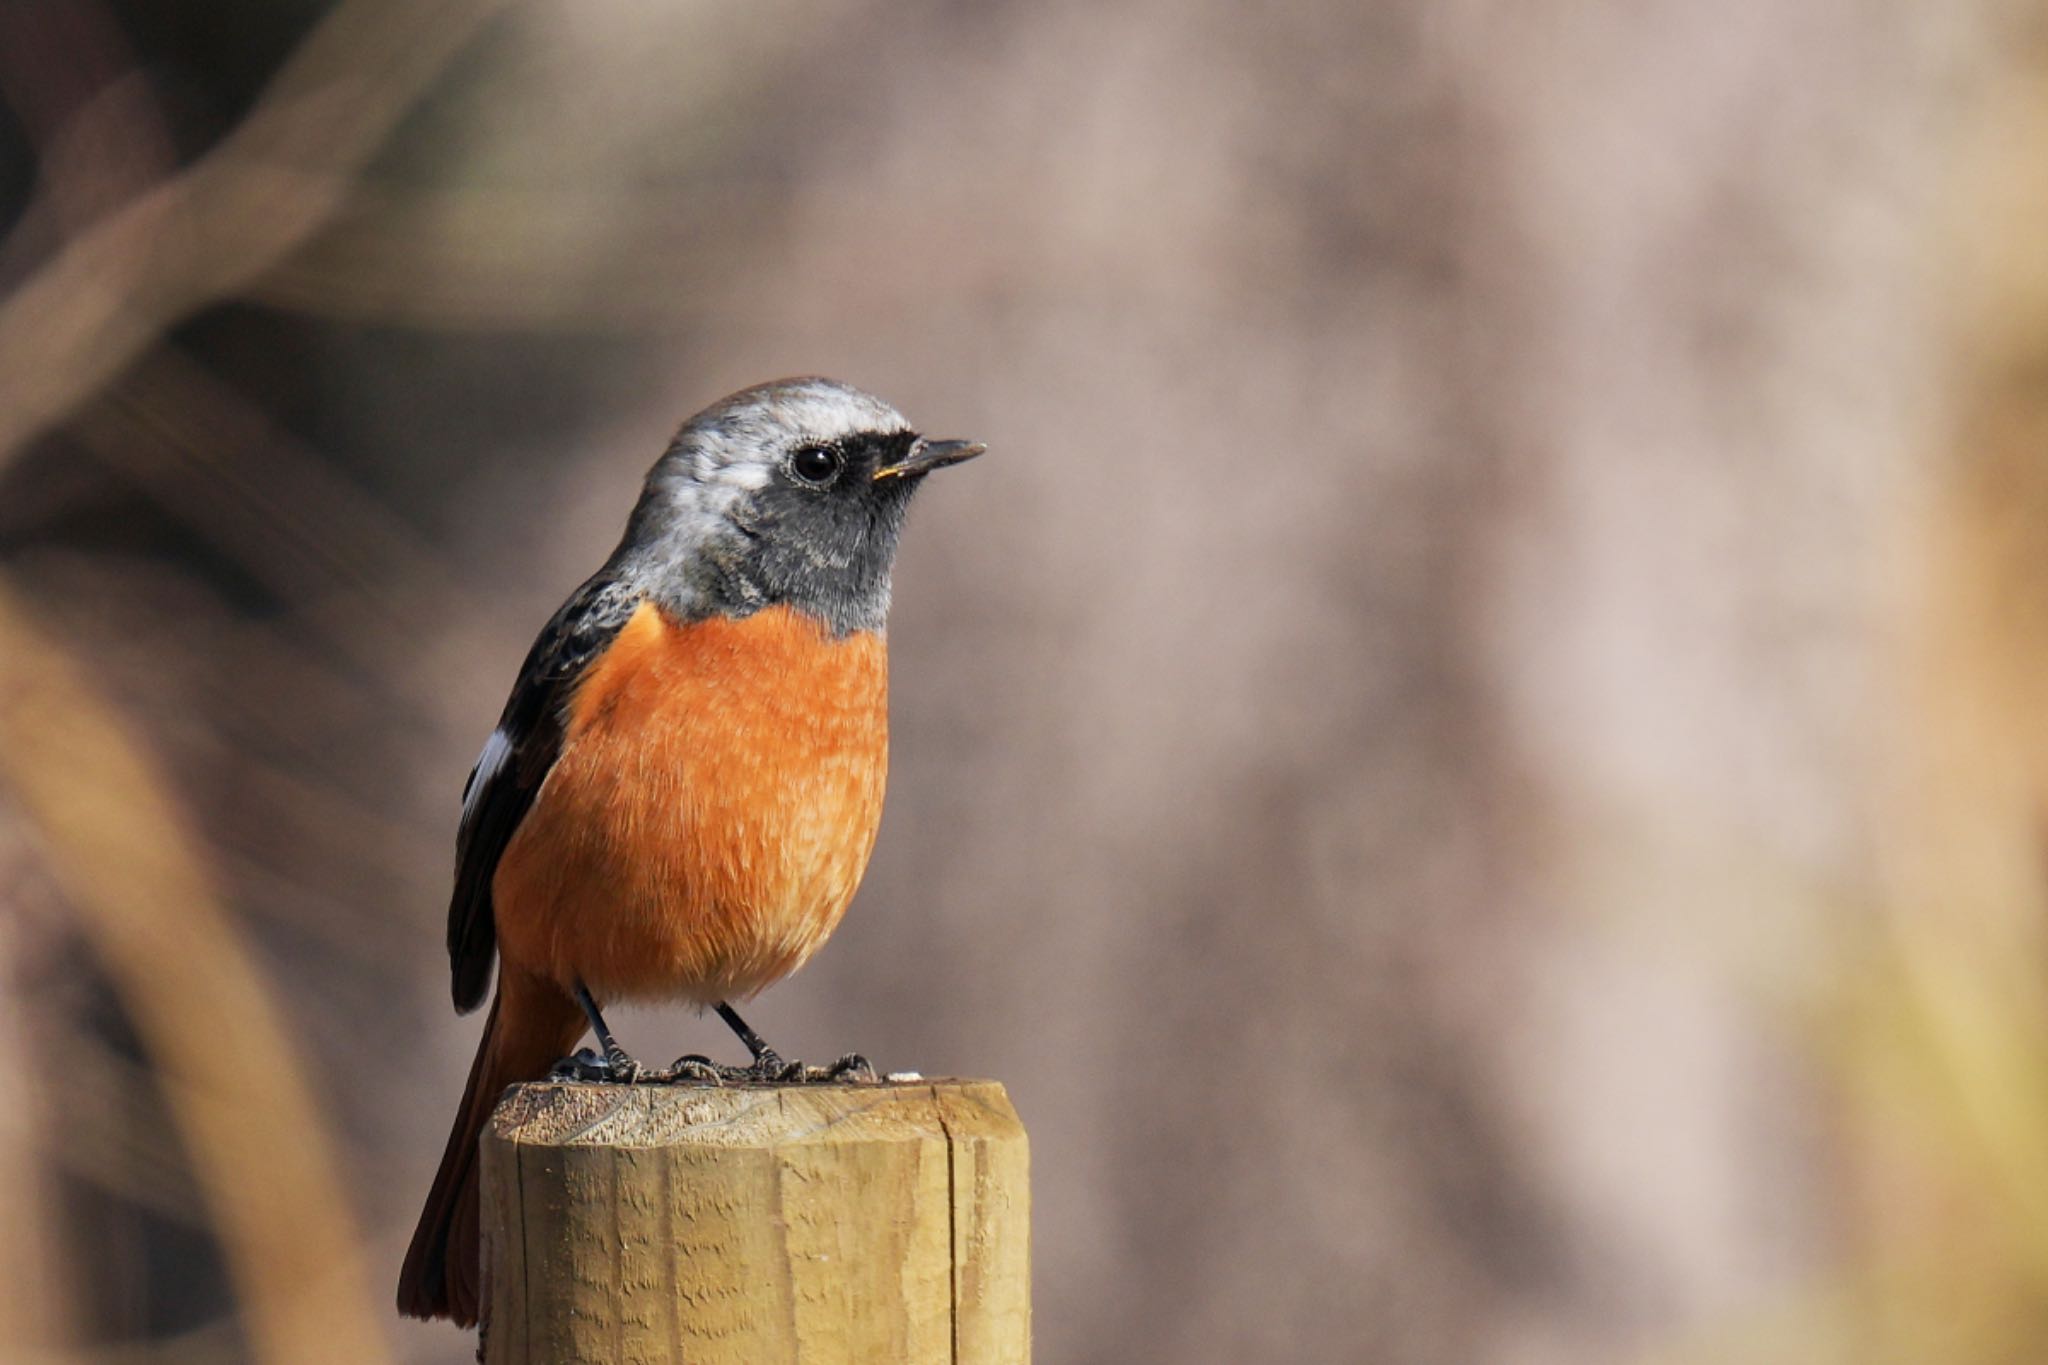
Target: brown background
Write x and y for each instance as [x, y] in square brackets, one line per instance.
[1471, 756]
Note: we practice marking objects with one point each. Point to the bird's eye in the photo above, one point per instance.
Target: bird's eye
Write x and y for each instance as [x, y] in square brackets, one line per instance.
[816, 465]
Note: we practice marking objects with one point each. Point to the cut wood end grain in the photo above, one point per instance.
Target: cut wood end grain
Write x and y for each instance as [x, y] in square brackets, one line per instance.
[807, 1223]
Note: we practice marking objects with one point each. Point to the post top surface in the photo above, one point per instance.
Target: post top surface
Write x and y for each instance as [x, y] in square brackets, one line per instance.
[581, 1113]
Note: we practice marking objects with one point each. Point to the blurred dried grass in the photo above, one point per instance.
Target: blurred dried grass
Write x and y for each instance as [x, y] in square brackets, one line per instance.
[123, 858]
[1945, 1044]
[1504, 627]
[107, 829]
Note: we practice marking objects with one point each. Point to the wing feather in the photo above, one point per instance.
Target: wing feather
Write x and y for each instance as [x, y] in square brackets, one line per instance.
[515, 762]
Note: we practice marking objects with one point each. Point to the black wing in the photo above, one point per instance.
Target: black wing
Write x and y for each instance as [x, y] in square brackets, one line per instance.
[515, 761]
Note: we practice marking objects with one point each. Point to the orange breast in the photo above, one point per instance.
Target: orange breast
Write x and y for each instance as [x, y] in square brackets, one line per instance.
[710, 814]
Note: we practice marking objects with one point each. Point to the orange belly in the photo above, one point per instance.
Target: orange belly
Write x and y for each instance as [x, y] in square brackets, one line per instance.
[711, 812]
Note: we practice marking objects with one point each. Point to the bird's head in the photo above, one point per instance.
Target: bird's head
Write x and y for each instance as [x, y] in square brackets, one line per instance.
[791, 492]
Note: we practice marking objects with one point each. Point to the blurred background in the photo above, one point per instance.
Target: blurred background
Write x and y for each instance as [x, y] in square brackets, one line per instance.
[1475, 757]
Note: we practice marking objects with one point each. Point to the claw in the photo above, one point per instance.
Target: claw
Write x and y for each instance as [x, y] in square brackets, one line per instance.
[695, 1067]
[613, 1068]
[851, 1067]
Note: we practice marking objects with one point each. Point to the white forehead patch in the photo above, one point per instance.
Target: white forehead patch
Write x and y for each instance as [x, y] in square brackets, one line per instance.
[826, 410]
[734, 447]
[740, 440]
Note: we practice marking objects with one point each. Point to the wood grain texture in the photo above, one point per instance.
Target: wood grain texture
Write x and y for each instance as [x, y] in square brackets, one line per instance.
[744, 1225]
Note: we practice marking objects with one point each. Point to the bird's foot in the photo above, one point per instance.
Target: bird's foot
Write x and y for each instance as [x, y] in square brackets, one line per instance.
[851, 1067]
[768, 1068]
[611, 1067]
[698, 1069]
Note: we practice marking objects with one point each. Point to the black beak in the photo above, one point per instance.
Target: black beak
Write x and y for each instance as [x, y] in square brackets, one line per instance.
[926, 456]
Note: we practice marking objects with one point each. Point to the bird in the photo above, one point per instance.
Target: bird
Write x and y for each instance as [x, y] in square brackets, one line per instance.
[681, 795]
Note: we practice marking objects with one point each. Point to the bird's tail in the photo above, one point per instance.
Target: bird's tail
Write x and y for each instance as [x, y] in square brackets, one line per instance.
[531, 1025]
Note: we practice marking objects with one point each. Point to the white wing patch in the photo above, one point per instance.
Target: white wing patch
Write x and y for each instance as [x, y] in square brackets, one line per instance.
[497, 749]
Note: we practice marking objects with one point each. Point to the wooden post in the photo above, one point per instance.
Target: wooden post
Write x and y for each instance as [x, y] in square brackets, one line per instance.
[750, 1224]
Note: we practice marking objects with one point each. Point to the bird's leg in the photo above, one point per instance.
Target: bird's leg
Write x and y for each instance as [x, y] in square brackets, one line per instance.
[768, 1064]
[613, 1065]
[614, 1055]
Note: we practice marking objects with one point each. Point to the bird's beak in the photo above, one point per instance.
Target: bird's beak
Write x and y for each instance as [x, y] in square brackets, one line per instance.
[926, 456]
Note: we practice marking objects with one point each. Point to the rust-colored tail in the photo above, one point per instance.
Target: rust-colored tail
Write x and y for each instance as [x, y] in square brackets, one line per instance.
[531, 1025]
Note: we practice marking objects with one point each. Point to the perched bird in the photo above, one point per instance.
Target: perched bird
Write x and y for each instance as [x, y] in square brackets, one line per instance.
[684, 787]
